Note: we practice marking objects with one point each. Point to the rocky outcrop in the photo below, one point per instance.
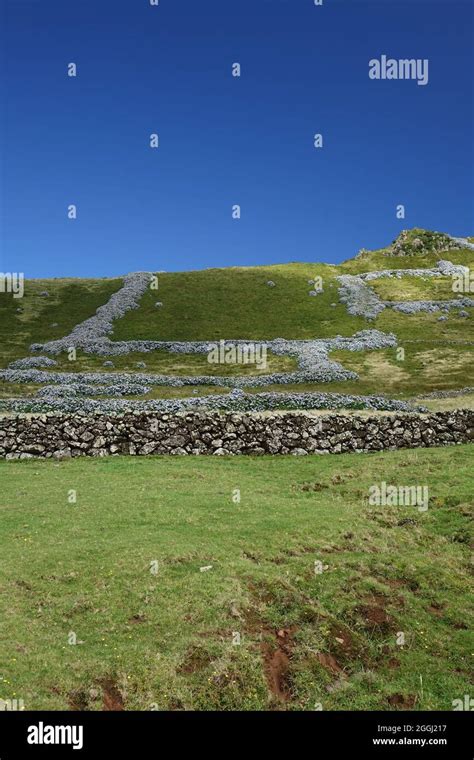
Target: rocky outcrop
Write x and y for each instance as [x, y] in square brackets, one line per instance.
[416, 241]
[136, 433]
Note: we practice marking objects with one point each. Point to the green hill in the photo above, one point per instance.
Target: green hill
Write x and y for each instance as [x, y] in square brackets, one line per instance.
[238, 303]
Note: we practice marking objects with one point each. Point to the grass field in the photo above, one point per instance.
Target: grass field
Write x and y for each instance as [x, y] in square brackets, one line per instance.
[237, 303]
[170, 640]
[167, 363]
[414, 289]
[36, 318]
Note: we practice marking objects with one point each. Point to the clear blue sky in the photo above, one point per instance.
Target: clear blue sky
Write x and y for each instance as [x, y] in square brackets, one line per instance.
[223, 140]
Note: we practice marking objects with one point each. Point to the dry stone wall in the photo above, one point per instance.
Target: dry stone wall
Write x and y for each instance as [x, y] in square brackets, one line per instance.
[139, 433]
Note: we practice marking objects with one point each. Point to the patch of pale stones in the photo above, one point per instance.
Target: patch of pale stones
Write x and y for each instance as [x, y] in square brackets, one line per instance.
[236, 401]
[363, 301]
[312, 357]
[33, 362]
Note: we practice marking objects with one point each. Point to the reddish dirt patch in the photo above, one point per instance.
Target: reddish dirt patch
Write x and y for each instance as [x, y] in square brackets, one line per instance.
[261, 592]
[276, 660]
[112, 699]
[196, 659]
[394, 582]
[78, 700]
[346, 648]
[436, 609]
[329, 662]
[402, 702]
[374, 615]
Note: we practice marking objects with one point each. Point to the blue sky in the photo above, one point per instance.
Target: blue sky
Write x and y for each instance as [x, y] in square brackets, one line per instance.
[226, 140]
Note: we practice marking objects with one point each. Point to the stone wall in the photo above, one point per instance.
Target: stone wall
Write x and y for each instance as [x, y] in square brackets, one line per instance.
[139, 433]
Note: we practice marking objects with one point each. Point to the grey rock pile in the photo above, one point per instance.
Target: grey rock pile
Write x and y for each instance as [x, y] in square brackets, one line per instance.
[415, 307]
[312, 357]
[33, 362]
[111, 390]
[237, 400]
[360, 300]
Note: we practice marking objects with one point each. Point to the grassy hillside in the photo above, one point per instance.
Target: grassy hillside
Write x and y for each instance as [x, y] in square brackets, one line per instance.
[415, 289]
[168, 640]
[36, 318]
[238, 303]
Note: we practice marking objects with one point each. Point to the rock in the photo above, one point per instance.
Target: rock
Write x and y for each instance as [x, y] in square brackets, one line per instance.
[174, 441]
[148, 448]
[32, 362]
[62, 454]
